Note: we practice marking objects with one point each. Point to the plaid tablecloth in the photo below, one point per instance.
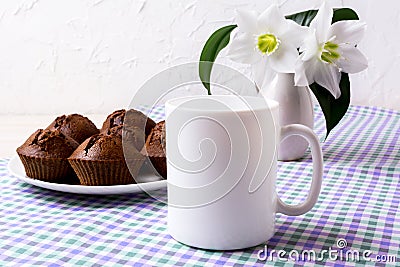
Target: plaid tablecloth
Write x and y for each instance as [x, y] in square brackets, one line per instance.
[358, 205]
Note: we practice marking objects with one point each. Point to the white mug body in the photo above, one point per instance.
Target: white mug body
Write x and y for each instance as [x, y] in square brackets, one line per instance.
[222, 165]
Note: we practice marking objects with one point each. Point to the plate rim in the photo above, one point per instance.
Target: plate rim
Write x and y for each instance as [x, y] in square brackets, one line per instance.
[80, 189]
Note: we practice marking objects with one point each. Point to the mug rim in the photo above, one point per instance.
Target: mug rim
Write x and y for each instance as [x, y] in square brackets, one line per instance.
[255, 103]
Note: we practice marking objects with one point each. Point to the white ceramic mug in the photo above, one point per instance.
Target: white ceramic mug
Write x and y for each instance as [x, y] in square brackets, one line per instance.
[222, 166]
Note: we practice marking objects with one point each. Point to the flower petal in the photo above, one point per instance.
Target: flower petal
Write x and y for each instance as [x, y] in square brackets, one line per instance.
[310, 47]
[247, 21]
[283, 60]
[347, 31]
[242, 49]
[271, 21]
[322, 22]
[294, 33]
[352, 60]
[304, 72]
[328, 76]
[263, 74]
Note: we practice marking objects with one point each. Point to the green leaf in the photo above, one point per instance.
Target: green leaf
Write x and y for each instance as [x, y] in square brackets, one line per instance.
[217, 41]
[304, 18]
[344, 14]
[333, 109]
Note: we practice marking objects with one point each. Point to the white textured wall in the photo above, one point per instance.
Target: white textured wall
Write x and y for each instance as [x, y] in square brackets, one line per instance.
[90, 56]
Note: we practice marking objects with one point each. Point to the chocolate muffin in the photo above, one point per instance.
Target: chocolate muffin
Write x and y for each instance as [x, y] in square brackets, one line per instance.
[99, 160]
[154, 149]
[75, 126]
[131, 117]
[44, 156]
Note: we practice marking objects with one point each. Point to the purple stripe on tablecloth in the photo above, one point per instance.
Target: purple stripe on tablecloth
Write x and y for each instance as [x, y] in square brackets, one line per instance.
[374, 138]
[392, 150]
[390, 219]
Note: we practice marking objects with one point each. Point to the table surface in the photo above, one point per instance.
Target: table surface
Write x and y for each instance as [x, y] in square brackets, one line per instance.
[359, 203]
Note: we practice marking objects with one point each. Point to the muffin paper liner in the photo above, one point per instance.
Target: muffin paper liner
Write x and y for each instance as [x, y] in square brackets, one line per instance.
[45, 169]
[105, 172]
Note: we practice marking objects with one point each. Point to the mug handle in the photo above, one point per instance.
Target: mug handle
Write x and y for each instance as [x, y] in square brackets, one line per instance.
[318, 169]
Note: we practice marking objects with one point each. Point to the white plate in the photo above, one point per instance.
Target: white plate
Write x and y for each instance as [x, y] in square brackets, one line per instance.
[153, 182]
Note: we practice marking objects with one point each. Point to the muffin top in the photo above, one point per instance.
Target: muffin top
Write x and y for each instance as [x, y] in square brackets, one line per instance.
[155, 143]
[100, 147]
[131, 136]
[48, 144]
[75, 126]
[114, 119]
[131, 117]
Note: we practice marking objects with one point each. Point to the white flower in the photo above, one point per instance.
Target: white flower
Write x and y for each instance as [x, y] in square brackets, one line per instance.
[330, 50]
[268, 42]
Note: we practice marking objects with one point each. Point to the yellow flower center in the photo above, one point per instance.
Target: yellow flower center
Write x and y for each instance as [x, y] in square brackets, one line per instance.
[267, 43]
[330, 52]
